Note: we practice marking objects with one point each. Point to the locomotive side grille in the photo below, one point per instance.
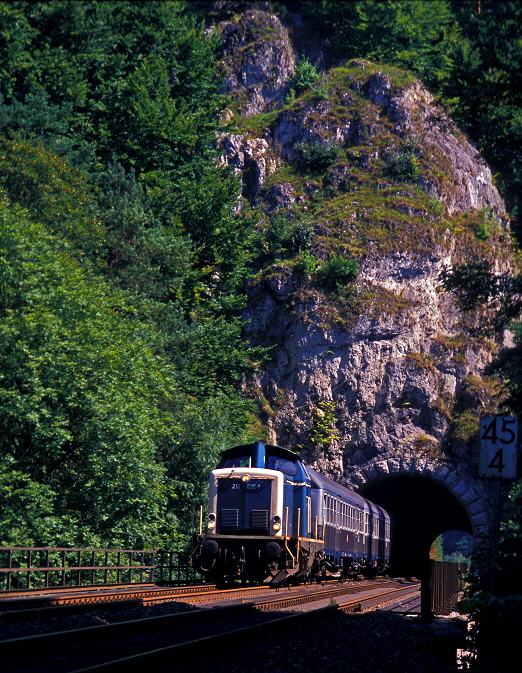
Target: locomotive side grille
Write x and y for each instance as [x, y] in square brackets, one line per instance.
[229, 518]
[258, 518]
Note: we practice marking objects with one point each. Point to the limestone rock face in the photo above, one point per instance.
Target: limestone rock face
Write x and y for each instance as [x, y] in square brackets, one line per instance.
[390, 375]
[469, 183]
[258, 60]
[376, 370]
[250, 158]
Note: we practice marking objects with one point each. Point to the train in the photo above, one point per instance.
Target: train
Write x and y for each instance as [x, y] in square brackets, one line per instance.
[273, 519]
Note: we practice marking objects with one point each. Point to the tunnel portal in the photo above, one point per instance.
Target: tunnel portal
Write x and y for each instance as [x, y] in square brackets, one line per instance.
[420, 510]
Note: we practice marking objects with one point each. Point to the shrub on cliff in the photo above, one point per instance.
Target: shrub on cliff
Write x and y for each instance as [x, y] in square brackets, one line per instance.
[338, 272]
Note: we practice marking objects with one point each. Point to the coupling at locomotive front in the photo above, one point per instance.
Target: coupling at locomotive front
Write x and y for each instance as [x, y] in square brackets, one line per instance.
[268, 520]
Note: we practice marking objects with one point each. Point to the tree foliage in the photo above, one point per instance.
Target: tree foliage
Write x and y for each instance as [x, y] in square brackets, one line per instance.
[412, 34]
[485, 88]
[122, 270]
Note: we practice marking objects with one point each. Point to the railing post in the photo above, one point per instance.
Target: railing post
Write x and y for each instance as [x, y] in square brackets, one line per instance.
[47, 568]
[9, 562]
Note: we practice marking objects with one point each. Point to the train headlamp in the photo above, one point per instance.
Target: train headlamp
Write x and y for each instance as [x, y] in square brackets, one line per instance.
[211, 525]
[276, 526]
[245, 477]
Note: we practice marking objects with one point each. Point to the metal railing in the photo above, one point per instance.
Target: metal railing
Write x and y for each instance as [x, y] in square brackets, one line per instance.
[444, 584]
[48, 567]
[173, 568]
[27, 568]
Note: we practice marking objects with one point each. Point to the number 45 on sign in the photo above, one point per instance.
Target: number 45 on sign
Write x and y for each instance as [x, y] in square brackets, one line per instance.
[498, 447]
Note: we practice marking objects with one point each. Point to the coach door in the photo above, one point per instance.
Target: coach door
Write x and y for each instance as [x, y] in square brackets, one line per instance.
[337, 525]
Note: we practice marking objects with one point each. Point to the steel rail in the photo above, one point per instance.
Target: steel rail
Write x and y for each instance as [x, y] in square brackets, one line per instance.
[70, 643]
[26, 607]
[8, 596]
[313, 596]
[181, 651]
[81, 602]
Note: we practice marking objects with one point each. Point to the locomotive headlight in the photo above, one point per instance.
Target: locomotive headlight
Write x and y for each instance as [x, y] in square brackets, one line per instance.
[276, 526]
[211, 521]
[245, 477]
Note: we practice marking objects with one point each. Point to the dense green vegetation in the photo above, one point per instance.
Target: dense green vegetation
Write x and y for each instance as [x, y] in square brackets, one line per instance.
[122, 271]
[453, 546]
[123, 266]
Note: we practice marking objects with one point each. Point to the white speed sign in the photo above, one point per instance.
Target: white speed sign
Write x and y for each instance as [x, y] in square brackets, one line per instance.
[498, 446]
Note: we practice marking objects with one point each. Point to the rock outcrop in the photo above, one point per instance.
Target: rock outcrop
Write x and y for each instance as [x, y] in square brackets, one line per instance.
[375, 366]
[258, 61]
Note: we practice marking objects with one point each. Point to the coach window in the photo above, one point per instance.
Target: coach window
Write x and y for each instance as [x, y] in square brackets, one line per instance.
[325, 509]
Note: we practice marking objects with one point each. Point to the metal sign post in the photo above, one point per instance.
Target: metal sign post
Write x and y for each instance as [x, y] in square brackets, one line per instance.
[497, 460]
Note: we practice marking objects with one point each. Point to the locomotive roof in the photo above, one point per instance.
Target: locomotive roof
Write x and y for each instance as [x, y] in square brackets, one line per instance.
[320, 481]
[269, 448]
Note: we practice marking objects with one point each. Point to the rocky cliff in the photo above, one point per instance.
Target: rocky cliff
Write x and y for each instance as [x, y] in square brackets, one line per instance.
[365, 193]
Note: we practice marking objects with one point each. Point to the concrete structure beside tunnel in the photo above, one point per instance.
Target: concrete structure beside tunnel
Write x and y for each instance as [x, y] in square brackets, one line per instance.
[425, 498]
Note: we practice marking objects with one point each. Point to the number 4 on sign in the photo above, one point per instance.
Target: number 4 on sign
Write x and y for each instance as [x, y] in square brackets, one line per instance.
[498, 447]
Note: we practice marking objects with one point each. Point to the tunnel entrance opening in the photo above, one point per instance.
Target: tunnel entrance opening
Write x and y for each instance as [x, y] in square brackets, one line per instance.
[420, 510]
[454, 546]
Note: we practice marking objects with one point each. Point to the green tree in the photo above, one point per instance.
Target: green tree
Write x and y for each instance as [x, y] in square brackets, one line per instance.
[83, 398]
[413, 34]
[485, 89]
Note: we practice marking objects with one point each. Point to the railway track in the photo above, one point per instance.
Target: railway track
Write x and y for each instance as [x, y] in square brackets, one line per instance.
[56, 603]
[174, 639]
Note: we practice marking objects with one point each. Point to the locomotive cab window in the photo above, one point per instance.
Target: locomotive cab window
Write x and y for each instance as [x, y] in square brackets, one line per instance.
[283, 465]
[240, 461]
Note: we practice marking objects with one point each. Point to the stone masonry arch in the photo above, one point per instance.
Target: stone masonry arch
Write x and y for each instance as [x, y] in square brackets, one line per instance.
[435, 480]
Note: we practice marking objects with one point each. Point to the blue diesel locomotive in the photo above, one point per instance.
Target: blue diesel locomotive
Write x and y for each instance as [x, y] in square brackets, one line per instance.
[273, 518]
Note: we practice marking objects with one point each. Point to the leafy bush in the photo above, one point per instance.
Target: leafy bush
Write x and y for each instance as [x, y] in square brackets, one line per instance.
[497, 610]
[283, 238]
[403, 164]
[337, 272]
[324, 431]
[302, 236]
[277, 235]
[307, 263]
[317, 156]
[305, 77]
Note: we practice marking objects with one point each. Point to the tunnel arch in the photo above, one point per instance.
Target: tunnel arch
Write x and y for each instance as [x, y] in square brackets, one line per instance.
[424, 499]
